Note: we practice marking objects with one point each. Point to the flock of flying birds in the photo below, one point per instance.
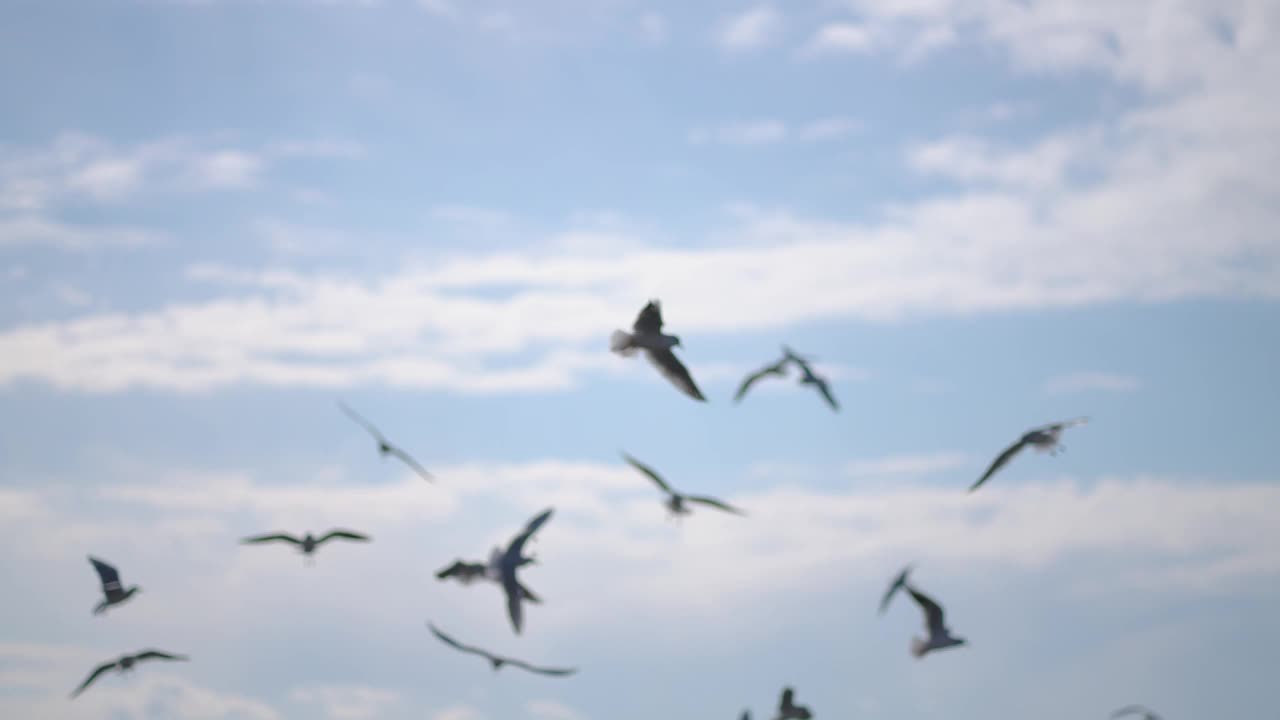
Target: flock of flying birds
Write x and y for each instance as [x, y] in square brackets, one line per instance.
[504, 564]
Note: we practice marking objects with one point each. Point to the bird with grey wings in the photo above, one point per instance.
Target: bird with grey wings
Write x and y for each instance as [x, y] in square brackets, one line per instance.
[497, 661]
[1144, 712]
[940, 636]
[125, 664]
[809, 377]
[677, 502]
[113, 593]
[778, 369]
[308, 544]
[787, 708]
[504, 566]
[385, 447]
[646, 335]
[1046, 438]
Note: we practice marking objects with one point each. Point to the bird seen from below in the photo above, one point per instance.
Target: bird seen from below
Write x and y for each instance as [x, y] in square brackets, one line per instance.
[676, 502]
[498, 661]
[647, 336]
[504, 564]
[809, 377]
[307, 544]
[124, 664]
[1144, 712]
[385, 448]
[940, 636]
[788, 710]
[778, 369]
[112, 591]
[1047, 438]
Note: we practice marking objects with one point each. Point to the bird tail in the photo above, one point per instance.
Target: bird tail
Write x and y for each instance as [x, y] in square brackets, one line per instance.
[918, 647]
[620, 342]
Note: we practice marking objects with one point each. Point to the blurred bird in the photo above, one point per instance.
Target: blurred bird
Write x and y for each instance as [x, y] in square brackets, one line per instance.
[124, 664]
[1146, 713]
[897, 584]
[808, 377]
[113, 592]
[940, 636]
[385, 447]
[779, 368]
[676, 501]
[498, 661]
[504, 564]
[465, 572]
[307, 544]
[1046, 438]
[647, 335]
[788, 710]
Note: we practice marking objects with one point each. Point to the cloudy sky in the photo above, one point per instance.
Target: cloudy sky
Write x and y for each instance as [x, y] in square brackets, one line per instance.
[218, 218]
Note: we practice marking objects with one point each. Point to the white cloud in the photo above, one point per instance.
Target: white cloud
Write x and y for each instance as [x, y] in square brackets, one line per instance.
[750, 29]
[458, 712]
[1092, 381]
[653, 26]
[841, 37]
[759, 132]
[551, 710]
[831, 128]
[32, 230]
[226, 169]
[348, 702]
[906, 465]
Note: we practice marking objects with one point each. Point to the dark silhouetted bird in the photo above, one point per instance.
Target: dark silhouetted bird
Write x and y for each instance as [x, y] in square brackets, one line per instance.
[779, 369]
[505, 564]
[307, 544]
[788, 710]
[112, 591]
[676, 501]
[1047, 438]
[125, 664]
[647, 335]
[940, 636]
[1146, 713]
[808, 377]
[385, 447]
[897, 584]
[498, 661]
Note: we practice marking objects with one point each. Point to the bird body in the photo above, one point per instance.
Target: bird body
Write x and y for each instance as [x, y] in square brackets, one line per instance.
[677, 503]
[113, 593]
[308, 543]
[1046, 438]
[505, 565]
[125, 664]
[647, 336]
[385, 447]
[940, 636]
[497, 661]
[788, 710]
[809, 377]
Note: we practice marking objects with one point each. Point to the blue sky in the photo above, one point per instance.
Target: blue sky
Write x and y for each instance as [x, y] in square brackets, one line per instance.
[220, 217]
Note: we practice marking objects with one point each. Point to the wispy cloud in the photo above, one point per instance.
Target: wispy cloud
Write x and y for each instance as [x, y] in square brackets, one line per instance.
[348, 702]
[749, 30]
[1092, 382]
[772, 132]
[841, 37]
[552, 710]
[906, 465]
[35, 231]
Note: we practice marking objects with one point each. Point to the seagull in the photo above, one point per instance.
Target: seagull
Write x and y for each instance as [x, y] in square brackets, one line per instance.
[779, 368]
[385, 447]
[940, 636]
[897, 584]
[498, 661]
[1046, 438]
[676, 501]
[504, 564]
[808, 377]
[113, 592]
[787, 710]
[307, 544]
[124, 664]
[465, 572]
[647, 336]
[1146, 713]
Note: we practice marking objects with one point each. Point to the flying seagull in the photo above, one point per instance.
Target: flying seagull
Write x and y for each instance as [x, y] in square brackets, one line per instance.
[788, 710]
[647, 335]
[897, 584]
[1146, 713]
[125, 664]
[779, 368]
[807, 377]
[307, 544]
[676, 501]
[940, 636]
[504, 564]
[113, 592]
[498, 661]
[465, 572]
[385, 447]
[1046, 438]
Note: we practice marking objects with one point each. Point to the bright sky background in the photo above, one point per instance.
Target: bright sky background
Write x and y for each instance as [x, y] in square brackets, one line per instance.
[219, 217]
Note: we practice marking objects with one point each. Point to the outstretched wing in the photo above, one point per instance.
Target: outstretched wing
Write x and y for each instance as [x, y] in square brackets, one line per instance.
[407, 459]
[786, 702]
[897, 584]
[157, 655]
[362, 422]
[457, 645]
[515, 609]
[933, 617]
[775, 369]
[648, 471]
[283, 537]
[1135, 710]
[825, 389]
[344, 534]
[675, 371]
[1062, 425]
[650, 319]
[93, 676]
[713, 503]
[557, 672]
[107, 574]
[998, 463]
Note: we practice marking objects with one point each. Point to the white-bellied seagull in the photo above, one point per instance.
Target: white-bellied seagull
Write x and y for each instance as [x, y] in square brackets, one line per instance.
[1046, 438]
[647, 335]
[307, 544]
[497, 661]
[125, 664]
[385, 448]
[112, 591]
[676, 501]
